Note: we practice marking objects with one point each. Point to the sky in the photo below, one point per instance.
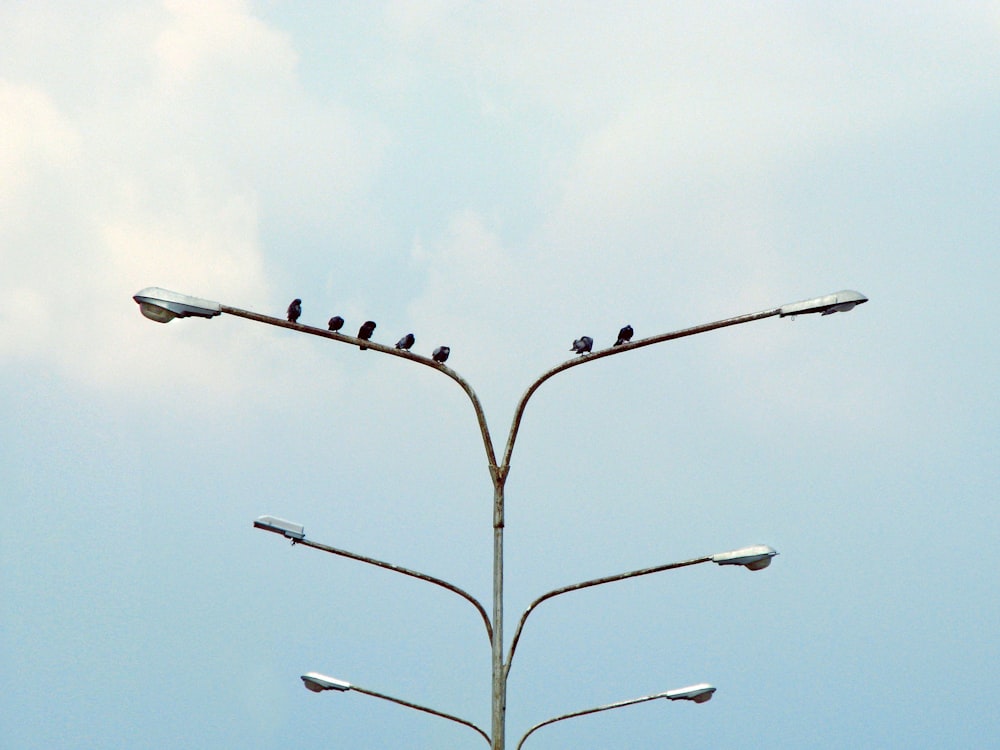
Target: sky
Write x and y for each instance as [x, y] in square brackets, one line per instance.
[501, 178]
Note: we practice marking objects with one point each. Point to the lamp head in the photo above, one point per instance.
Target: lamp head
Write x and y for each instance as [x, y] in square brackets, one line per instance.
[319, 682]
[841, 301]
[699, 693]
[756, 557]
[281, 526]
[162, 305]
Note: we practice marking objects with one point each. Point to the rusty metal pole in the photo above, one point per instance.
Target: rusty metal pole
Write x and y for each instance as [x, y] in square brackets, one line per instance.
[499, 687]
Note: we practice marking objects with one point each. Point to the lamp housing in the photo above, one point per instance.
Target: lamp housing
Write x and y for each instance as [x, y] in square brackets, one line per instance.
[162, 305]
[842, 301]
[281, 526]
[319, 682]
[756, 557]
[699, 693]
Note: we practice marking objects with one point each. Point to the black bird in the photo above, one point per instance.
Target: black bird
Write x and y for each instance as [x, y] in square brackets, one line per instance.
[406, 342]
[294, 310]
[624, 335]
[583, 345]
[335, 324]
[441, 354]
[367, 329]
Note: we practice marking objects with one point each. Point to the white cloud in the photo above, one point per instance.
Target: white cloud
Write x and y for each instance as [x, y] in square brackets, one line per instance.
[219, 38]
[34, 137]
[163, 180]
[470, 276]
[674, 126]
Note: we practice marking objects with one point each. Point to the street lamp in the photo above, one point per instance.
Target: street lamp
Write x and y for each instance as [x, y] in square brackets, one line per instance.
[842, 301]
[755, 557]
[296, 532]
[319, 683]
[700, 693]
[162, 306]
[293, 531]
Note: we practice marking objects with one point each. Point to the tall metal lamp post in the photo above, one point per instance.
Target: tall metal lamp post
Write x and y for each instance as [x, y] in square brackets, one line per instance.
[162, 306]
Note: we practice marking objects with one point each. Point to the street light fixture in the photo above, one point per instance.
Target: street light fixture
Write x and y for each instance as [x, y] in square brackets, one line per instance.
[754, 558]
[842, 301]
[699, 693]
[162, 306]
[293, 531]
[296, 532]
[319, 683]
[757, 557]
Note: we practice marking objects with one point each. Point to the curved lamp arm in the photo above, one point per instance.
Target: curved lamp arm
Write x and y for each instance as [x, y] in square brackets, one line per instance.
[842, 301]
[755, 557]
[697, 693]
[163, 305]
[296, 533]
[406, 572]
[375, 346]
[318, 683]
[588, 584]
[611, 350]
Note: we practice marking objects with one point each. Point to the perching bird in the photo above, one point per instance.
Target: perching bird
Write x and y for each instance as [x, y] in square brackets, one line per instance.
[624, 335]
[406, 342]
[441, 354]
[583, 345]
[367, 329]
[294, 310]
[335, 324]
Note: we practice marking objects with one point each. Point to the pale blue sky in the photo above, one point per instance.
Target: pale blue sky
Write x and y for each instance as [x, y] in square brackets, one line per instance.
[502, 178]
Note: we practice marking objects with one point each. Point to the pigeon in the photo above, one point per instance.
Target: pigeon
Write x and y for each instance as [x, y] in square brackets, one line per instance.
[624, 335]
[583, 345]
[367, 329]
[406, 342]
[335, 324]
[441, 354]
[294, 310]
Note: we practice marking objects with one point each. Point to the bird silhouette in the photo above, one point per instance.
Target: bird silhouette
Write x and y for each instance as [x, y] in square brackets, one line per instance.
[367, 329]
[624, 335]
[335, 324]
[583, 345]
[406, 342]
[294, 310]
[441, 354]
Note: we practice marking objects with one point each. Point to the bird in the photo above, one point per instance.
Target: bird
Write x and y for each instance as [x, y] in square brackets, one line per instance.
[406, 342]
[583, 345]
[441, 354]
[335, 324]
[624, 335]
[294, 310]
[367, 329]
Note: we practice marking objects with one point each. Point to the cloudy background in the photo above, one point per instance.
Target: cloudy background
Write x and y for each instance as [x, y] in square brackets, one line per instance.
[502, 178]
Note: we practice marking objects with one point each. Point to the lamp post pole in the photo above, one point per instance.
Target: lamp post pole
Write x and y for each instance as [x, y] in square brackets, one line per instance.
[162, 306]
[499, 669]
